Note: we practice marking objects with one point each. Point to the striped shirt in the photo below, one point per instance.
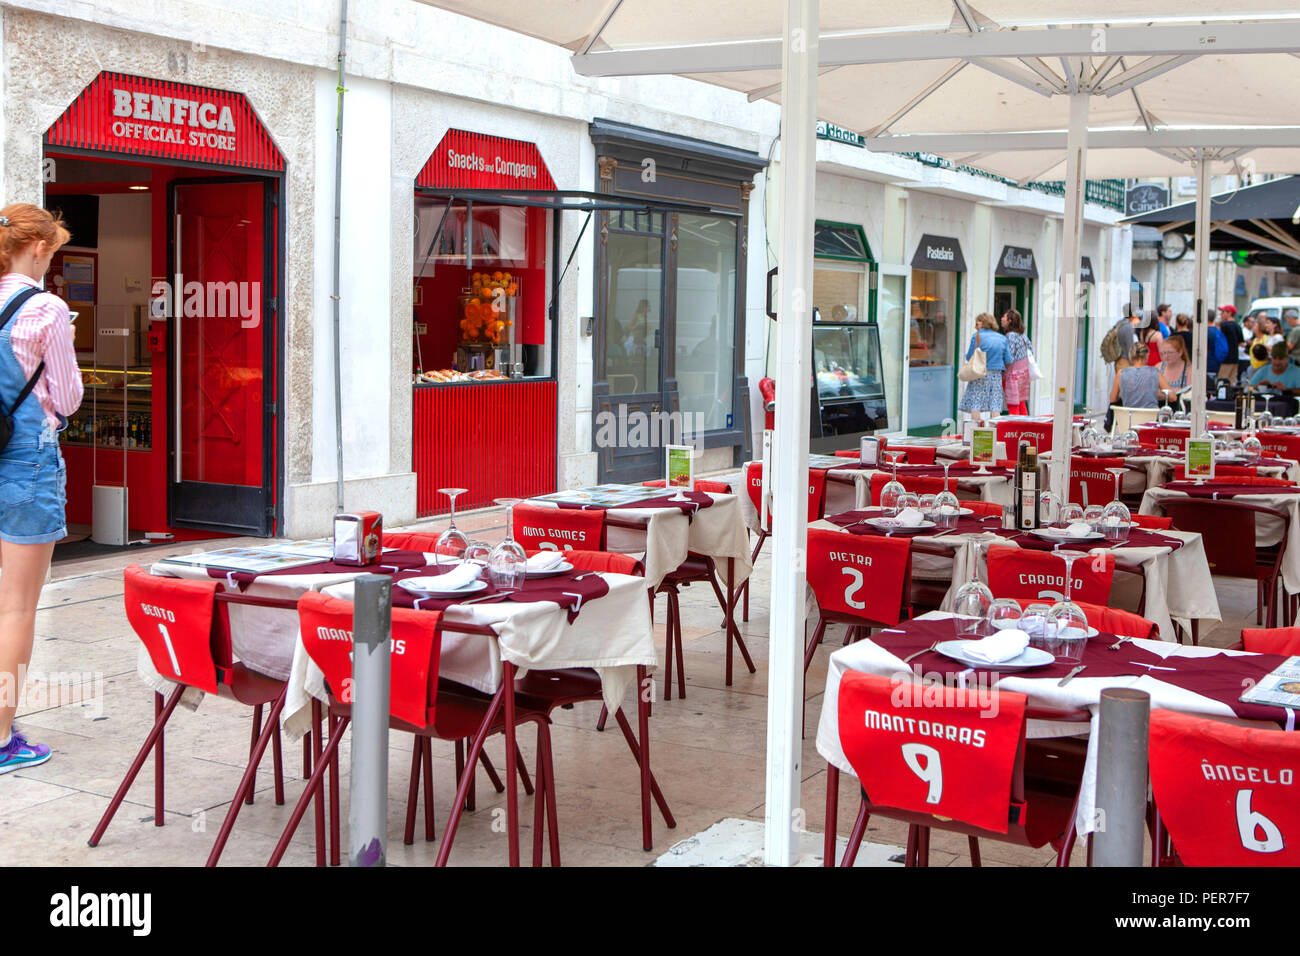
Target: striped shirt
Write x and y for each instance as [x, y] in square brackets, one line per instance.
[43, 330]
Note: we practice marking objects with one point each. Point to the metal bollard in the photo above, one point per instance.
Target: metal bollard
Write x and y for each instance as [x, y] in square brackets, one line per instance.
[1121, 777]
[371, 630]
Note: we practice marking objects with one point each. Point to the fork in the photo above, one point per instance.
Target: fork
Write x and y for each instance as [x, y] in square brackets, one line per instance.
[908, 659]
[1121, 642]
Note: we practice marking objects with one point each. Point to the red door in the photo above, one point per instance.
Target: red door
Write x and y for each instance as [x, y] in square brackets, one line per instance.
[222, 389]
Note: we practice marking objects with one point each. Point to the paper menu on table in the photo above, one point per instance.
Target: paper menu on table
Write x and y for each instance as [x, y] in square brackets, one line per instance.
[1280, 687]
[1199, 462]
[249, 560]
[829, 461]
[605, 496]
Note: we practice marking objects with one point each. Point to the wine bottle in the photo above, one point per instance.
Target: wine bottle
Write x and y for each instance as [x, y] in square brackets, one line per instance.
[1239, 409]
[1028, 491]
[1017, 502]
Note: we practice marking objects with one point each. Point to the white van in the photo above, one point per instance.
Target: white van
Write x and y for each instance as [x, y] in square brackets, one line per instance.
[1275, 306]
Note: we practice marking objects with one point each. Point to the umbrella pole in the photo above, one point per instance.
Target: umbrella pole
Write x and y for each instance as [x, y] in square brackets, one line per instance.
[790, 465]
[1068, 315]
[1200, 338]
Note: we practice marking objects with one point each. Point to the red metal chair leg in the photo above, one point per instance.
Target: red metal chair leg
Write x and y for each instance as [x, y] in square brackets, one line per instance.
[471, 759]
[430, 829]
[832, 813]
[246, 783]
[319, 809]
[552, 814]
[812, 647]
[855, 836]
[643, 725]
[159, 791]
[277, 760]
[306, 757]
[252, 744]
[636, 755]
[677, 643]
[923, 847]
[539, 805]
[336, 841]
[491, 771]
[413, 792]
[310, 791]
[604, 715]
[909, 855]
[523, 773]
[154, 738]
[974, 851]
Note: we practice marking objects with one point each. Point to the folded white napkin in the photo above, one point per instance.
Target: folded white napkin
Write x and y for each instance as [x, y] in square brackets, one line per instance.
[1080, 529]
[999, 647]
[545, 560]
[458, 578]
[910, 517]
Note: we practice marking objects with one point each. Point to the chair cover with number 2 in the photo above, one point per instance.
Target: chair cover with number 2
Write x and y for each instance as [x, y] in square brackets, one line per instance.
[859, 576]
[1227, 794]
[559, 529]
[934, 750]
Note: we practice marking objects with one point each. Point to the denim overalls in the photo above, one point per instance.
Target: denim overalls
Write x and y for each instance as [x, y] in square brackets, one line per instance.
[33, 479]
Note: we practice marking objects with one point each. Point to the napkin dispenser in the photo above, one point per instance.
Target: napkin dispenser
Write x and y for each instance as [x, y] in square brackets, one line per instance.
[357, 537]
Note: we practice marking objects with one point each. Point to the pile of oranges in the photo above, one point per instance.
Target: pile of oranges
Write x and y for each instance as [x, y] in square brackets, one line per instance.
[485, 311]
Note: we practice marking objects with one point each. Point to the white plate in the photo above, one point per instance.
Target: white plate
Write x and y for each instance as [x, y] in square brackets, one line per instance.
[1029, 657]
[1048, 535]
[428, 587]
[564, 567]
[891, 524]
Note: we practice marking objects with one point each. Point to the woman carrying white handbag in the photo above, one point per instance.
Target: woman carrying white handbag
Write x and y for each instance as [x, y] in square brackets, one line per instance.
[984, 392]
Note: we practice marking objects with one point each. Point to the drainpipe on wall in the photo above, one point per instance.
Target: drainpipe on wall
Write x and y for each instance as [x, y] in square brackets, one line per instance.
[338, 233]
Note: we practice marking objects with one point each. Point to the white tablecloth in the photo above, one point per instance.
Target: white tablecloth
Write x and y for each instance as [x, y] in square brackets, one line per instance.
[1081, 692]
[612, 634]
[667, 535]
[1268, 531]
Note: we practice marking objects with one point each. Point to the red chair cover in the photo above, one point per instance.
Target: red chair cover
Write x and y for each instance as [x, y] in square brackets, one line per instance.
[816, 489]
[983, 507]
[1026, 573]
[861, 576]
[325, 624]
[936, 750]
[1039, 434]
[425, 542]
[559, 529]
[1221, 471]
[701, 484]
[1090, 482]
[1110, 620]
[610, 561]
[1166, 439]
[174, 618]
[1153, 522]
[1271, 640]
[916, 454]
[1227, 794]
[1280, 445]
[920, 484]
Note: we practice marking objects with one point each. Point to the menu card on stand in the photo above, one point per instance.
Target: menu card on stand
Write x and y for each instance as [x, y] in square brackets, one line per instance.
[679, 467]
[869, 451]
[982, 446]
[1199, 459]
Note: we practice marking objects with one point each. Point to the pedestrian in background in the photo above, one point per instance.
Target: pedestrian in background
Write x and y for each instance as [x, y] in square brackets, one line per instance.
[1015, 383]
[985, 394]
[1232, 333]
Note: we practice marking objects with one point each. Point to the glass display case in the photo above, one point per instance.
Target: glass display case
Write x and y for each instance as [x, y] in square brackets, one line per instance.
[116, 411]
[848, 385]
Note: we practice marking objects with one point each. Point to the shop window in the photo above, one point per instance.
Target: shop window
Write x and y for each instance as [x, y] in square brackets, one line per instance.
[706, 308]
[931, 347]
[480, 296]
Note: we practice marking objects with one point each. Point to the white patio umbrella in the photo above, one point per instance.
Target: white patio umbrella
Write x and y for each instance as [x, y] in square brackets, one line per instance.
[1181, 78]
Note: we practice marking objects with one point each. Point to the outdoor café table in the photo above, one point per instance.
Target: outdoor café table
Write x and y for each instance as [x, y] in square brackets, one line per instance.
[665, 531]
[993, 486]
[1268, 531]
[1178, 583]
[1196, 680]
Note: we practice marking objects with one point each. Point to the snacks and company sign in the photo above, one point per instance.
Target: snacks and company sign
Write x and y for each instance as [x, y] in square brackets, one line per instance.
[117, 113]
[1018, 262]
[476, 161]
[837, 134]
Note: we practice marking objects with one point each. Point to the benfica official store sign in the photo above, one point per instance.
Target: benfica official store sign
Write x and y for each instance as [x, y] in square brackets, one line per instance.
[137, 115]
[467, 160]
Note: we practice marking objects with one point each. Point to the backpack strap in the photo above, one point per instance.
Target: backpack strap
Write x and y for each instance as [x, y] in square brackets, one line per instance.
[12, 308]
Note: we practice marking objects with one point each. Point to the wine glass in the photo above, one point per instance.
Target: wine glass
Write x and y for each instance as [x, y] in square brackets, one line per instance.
[507, 561]
[972, 601]
[893, 488]
[1070, 513]
[1182, 416]
[1092, 515]
[1049, 507]
[1289, 421]
[1236, 448]
[906, 500]
[1066, 620]
[1004, 613]
[478, 552]
[1165, 415]
[452, 542]
[1090, 438]
[927, 505]
[1252, 447]
[1128, 440]
[1033, 621]
[1264, 419]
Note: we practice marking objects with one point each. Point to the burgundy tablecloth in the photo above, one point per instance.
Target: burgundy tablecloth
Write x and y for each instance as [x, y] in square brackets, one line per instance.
[390, 562]
[1222, 677]
[962, 470]
[1137, 538]
[566, 590]
[966, 524]
[1228, 489]
[695, 501]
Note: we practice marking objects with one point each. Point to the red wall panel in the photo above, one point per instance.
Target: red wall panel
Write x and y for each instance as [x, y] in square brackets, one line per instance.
[496, 440]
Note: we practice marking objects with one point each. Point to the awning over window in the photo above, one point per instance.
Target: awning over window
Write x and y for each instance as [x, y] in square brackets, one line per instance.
[939, 252]
[1016, 262]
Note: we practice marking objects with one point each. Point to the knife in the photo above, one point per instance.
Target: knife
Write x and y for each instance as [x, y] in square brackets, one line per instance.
[1070, 676]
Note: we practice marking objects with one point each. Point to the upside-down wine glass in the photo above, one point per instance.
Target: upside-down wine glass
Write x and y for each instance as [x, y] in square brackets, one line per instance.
[1116, 518]
[452, 542]
[893, 488]
[973, 598]
[507, 561]
[1066, 620]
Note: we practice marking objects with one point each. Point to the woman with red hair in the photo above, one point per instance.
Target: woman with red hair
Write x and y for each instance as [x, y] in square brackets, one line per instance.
[40, 385]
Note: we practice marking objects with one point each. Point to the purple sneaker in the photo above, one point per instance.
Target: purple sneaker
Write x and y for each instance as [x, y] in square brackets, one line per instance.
[18, 754]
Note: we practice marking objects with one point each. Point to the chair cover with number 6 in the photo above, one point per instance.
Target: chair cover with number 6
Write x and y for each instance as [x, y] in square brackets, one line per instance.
[1226, 794]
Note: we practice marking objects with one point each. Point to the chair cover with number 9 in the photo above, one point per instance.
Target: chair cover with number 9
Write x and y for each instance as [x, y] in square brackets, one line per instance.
[1227, 794]
[933, 750]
